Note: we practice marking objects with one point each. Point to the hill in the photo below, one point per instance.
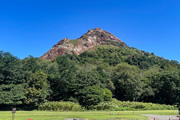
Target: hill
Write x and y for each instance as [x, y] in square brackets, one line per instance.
[91, 71]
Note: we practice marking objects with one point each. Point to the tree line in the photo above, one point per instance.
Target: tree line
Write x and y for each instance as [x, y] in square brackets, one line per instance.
[126, 74]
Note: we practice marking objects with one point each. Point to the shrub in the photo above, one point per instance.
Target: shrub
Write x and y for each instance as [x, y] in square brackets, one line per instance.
[60, 106]
[126, 105]
[94, 95]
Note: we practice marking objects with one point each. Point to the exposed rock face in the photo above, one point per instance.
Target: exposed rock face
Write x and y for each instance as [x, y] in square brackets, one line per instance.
[88, 41]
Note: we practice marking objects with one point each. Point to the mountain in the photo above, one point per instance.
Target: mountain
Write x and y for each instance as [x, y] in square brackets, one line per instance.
[86, 42]
[106, 68]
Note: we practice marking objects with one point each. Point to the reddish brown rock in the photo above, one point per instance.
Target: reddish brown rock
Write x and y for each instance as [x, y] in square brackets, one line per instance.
[87, 41]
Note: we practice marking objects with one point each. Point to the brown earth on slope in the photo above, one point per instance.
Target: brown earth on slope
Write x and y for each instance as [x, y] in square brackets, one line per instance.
[86, 42]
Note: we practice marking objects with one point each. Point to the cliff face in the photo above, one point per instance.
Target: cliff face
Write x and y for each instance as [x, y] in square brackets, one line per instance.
[87, 41]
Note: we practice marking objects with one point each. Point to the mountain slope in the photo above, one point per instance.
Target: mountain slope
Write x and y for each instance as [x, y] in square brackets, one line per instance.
[87, 41]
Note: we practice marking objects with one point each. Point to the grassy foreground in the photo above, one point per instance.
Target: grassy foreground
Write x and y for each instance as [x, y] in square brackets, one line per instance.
[95, 115]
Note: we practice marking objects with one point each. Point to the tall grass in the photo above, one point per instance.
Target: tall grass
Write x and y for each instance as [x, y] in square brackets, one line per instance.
[60, 106]
[114, 105]
[126, 105]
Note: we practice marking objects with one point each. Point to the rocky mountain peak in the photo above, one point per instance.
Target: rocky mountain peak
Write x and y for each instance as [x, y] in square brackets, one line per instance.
[99, 34]
[87, 41]
[64, 40]
[96, 30]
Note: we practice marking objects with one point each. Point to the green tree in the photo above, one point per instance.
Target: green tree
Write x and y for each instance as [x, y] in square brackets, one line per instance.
[166, 86]
[107, 95]
[93, 95]
[12, 80]
[38, 89]
[10, 69]
[12, 94]
[31, 64]
[127, 81]
[61, 85]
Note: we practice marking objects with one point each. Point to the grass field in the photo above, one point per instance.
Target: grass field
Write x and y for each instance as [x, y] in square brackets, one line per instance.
[91, 115]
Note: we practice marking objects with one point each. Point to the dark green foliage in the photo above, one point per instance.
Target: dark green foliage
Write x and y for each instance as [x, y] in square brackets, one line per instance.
[12, 94]
[10, 69]
[61, 85]
[31, 64]
[166, 86]
[93, 95]
[127, 82]
[12, 80]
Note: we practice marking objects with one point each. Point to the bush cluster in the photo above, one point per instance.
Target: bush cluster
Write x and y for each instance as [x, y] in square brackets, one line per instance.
[126, 105]
[114, 105]
[60, 106]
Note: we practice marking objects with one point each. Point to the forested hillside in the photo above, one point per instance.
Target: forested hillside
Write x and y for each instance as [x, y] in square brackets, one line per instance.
[93, 77]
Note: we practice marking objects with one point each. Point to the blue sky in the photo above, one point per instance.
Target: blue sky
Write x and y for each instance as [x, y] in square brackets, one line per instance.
[32, 27]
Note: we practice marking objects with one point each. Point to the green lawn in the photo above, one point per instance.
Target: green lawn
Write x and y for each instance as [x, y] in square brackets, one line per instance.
[94, 115]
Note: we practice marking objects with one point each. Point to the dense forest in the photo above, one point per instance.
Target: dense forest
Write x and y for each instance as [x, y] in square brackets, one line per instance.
[95, 76]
